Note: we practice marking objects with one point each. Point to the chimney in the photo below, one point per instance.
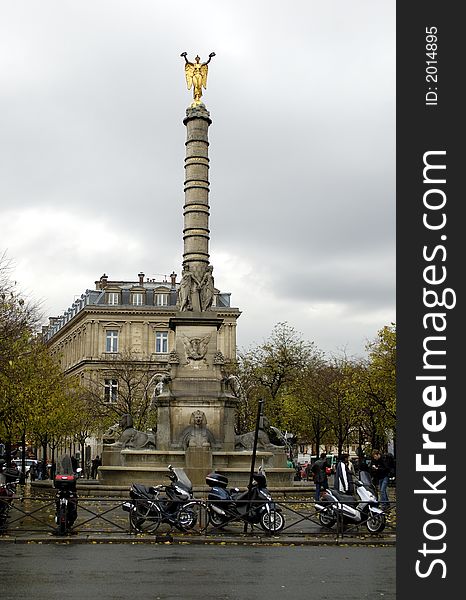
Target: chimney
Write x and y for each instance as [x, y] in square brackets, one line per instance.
[102, 283]
[173, 279]
[141, 278]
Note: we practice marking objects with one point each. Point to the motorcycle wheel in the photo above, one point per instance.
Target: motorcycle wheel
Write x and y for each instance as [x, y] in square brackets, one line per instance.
[327, 519]
[217, 520]
[272, 522]
[62, 519]
[375, 523]
[144, 521]
[193, 515]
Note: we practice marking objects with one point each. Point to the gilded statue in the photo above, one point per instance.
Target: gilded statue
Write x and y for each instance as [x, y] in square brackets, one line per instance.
[196, 76]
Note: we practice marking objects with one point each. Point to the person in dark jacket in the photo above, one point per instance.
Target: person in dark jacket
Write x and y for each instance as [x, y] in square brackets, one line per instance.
[319, 471]
[380, 472]
[343, 477]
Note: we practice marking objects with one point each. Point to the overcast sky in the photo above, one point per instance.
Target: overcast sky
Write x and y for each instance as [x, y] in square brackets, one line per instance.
[302, 154]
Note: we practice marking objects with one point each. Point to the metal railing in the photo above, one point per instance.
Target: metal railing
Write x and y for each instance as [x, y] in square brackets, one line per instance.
[34, 515]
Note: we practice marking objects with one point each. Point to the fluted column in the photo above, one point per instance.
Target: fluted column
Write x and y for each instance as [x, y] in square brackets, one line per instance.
[196, 188]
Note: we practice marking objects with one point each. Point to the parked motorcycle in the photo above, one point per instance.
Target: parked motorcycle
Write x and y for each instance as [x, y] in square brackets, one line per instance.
[8, 482]
[66, 502]
[173, 504]
[255, 506]
[335, 506]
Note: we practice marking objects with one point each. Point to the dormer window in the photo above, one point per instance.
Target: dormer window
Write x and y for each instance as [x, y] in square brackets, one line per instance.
[137, 298]
[113, 298]
[161, 300]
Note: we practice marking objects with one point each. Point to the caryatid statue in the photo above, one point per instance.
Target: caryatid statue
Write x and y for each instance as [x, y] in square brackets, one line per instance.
[194, 294]
[196, 76]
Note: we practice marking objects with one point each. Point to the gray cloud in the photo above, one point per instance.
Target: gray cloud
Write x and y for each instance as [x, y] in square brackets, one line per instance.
[302, 99]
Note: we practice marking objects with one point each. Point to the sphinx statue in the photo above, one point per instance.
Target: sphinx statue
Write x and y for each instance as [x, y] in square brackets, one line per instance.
[197, 435]
[132, 438]
[265, 438]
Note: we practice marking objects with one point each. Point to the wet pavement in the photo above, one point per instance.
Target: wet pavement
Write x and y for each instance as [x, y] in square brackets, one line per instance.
[209, 572]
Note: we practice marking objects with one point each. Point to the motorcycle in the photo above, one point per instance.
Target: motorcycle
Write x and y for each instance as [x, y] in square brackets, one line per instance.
[8, 482]
[66, 502]
[253, 506]
[173, 504]
[335, 506]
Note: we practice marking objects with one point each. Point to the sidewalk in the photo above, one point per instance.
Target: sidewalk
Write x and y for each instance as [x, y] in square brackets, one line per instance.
[227, 539]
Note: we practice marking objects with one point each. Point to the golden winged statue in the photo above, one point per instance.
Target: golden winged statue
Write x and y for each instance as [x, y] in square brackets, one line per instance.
[196, 76]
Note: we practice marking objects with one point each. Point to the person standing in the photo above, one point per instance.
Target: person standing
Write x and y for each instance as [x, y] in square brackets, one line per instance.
[343, 476]
[380, 472]
[95, 465]
[319, 471]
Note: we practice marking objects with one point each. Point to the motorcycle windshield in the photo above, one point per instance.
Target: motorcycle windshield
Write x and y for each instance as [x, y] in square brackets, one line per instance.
[365, 478]
[183, 479]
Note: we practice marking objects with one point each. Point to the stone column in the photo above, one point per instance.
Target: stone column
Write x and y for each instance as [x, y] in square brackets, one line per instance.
[196, 188]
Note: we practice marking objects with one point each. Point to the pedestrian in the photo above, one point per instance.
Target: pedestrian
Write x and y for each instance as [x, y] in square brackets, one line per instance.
[380, 472]
[96, 463]
[74, 464]
[343, 477]
[33, 472]
[319, 472]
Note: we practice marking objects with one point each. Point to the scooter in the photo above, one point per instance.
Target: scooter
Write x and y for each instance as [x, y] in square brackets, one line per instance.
[173, 504]
[335, 506]
[66, 502]
[253, 506]
[8, 482]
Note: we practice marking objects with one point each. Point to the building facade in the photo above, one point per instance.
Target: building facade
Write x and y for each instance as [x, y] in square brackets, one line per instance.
[122, 318]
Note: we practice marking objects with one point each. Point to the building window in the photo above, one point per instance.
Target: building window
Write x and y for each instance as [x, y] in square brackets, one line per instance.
[161, 341]
[112, 341]
[137, 298]
[113, 298]
[111, 391]
[161, 299]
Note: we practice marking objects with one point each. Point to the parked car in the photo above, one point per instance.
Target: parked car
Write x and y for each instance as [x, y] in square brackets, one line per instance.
[28, 463]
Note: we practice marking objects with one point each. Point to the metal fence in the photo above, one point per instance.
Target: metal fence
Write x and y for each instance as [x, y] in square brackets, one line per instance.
[32, 515]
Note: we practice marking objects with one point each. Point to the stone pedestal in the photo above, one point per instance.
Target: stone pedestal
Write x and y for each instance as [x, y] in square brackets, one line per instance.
[196, 385]
[198, 464]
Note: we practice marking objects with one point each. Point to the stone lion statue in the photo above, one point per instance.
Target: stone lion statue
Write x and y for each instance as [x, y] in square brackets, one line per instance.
[132, 438]
[197, 434]
[265, 436]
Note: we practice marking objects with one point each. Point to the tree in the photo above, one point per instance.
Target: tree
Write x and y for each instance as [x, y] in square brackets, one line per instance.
[269, 371]
[19, 319]
[371, 388]
[131, 391]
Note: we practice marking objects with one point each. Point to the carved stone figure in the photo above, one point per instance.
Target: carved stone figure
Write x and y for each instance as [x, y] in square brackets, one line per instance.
[245, 441]
[163, 379]
[112, 432]
[197, 434]
[196, 347]
[132, 438]
[196, 76]
[189, 285]
[206, 289]
[234, 384]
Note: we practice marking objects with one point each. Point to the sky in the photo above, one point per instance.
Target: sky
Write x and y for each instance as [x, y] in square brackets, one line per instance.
[302, 154]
